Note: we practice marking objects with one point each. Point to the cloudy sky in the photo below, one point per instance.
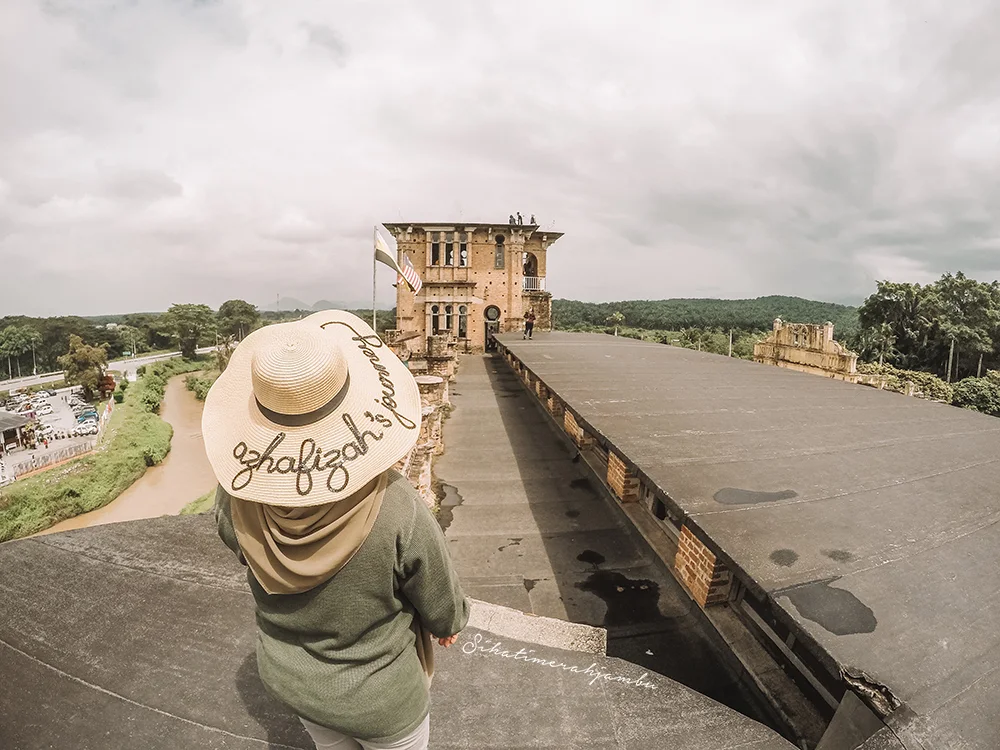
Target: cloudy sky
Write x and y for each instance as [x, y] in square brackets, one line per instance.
[161, 151]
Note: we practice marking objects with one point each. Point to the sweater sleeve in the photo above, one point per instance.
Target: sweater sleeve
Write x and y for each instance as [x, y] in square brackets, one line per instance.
[428, 578]
[224, 521]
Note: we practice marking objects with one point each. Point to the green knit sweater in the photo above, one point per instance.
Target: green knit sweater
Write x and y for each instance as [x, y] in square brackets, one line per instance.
[342, 654]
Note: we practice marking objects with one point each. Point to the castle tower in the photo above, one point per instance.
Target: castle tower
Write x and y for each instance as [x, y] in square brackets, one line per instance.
[477, 279]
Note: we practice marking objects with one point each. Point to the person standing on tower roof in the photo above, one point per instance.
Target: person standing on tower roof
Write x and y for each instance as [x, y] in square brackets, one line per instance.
[349, 571]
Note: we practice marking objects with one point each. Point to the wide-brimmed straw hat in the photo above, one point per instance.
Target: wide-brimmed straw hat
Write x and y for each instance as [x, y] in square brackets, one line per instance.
[309, 412]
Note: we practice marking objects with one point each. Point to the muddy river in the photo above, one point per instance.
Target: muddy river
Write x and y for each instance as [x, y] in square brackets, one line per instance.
[184, 475]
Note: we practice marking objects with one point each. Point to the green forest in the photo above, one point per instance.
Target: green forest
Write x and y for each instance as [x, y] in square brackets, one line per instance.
[721, 314]
[943, 336]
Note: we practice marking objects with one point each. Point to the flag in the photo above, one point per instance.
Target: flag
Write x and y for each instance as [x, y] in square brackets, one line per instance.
[384, 255]
[409, 275]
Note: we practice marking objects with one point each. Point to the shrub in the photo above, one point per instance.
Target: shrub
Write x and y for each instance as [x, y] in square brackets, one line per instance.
[119, 397]
[925, 384]
[140, 371]
[200, 385]
[979, 394]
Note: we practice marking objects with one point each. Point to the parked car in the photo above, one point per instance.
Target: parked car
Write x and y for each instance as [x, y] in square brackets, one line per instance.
[87, 418]
[45, 411]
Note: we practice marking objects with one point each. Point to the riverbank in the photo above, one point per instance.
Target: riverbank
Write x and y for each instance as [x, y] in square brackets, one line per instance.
[135, 439]
[167, 487]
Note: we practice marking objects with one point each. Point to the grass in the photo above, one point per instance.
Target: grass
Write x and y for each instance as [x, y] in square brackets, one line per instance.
[203, 504]
[135, 439]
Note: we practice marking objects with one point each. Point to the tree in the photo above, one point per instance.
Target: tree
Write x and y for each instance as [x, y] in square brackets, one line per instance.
[33, 338]
[965, 313]
[224, 351]
[7, 346]
[897, 312]
[15, 341]
[878, 342]
[84, 365]
[187, 324]
[131, 339]
[237, 318]
[616, 319]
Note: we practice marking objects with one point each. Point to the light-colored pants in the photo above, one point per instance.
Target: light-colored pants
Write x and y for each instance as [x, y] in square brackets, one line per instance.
[327, 739]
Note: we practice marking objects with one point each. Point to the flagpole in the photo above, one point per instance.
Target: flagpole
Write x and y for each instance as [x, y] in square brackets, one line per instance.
[374, 241]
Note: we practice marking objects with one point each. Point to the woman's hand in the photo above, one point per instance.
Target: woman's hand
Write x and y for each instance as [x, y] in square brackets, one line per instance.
[447, 641]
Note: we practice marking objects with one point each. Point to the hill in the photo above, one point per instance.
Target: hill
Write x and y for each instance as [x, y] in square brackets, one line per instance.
[676, 314]
[285, 304]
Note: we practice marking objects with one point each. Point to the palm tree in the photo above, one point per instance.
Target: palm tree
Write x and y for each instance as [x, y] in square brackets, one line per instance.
[616, 319]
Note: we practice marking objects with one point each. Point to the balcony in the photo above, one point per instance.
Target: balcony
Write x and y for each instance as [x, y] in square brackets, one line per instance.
[533, 284]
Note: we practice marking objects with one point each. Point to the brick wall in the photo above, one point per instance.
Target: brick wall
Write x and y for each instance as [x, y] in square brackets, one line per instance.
[706, 579]
[622, 480]
[575, 431]
[555, 406]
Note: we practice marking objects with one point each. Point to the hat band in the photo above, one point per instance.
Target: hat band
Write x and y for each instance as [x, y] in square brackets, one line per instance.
[301, 420]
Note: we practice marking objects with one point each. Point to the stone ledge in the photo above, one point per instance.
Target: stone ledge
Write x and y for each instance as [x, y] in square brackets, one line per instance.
[544, 631]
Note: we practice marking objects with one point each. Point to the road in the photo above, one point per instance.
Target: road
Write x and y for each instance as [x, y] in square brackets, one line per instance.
[128, 366]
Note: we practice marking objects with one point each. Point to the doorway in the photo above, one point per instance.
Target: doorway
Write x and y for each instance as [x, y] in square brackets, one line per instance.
[492, 319]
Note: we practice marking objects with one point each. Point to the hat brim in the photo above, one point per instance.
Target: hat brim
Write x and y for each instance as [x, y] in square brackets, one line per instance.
[376, 422]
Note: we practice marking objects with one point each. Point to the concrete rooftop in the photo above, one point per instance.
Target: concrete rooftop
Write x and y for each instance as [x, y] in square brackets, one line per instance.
[868, 518]
[141, 635]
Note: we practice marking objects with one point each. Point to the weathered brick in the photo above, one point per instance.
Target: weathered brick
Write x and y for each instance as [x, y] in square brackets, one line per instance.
[707, 580]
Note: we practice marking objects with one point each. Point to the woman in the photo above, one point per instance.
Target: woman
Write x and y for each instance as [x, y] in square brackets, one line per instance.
[348, 569]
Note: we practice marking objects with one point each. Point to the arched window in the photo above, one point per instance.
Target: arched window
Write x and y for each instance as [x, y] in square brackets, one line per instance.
[448, 318]
[435, 318]
[449, 248]
[530, 265]
[463, 249]
[463, 322]
[498, 253]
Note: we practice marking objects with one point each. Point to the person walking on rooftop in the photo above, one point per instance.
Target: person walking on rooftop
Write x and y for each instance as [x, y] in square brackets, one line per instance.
[529, 323]
[349, 571]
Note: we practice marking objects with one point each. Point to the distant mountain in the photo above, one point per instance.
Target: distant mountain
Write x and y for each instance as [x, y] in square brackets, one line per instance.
[285, 304]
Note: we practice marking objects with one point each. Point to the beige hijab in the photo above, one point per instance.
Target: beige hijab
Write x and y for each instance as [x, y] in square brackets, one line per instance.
[291, 550]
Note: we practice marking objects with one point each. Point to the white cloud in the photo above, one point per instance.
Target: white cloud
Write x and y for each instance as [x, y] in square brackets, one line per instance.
[228, 148]
[294, 226]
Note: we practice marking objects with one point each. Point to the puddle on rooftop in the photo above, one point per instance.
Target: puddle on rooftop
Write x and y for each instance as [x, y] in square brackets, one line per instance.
[448, 499]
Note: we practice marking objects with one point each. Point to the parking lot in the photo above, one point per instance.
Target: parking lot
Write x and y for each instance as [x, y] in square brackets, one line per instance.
[56, 426]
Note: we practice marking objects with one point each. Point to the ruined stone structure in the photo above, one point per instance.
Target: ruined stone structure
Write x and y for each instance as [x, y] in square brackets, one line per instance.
[478, 279]
[807, 348]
